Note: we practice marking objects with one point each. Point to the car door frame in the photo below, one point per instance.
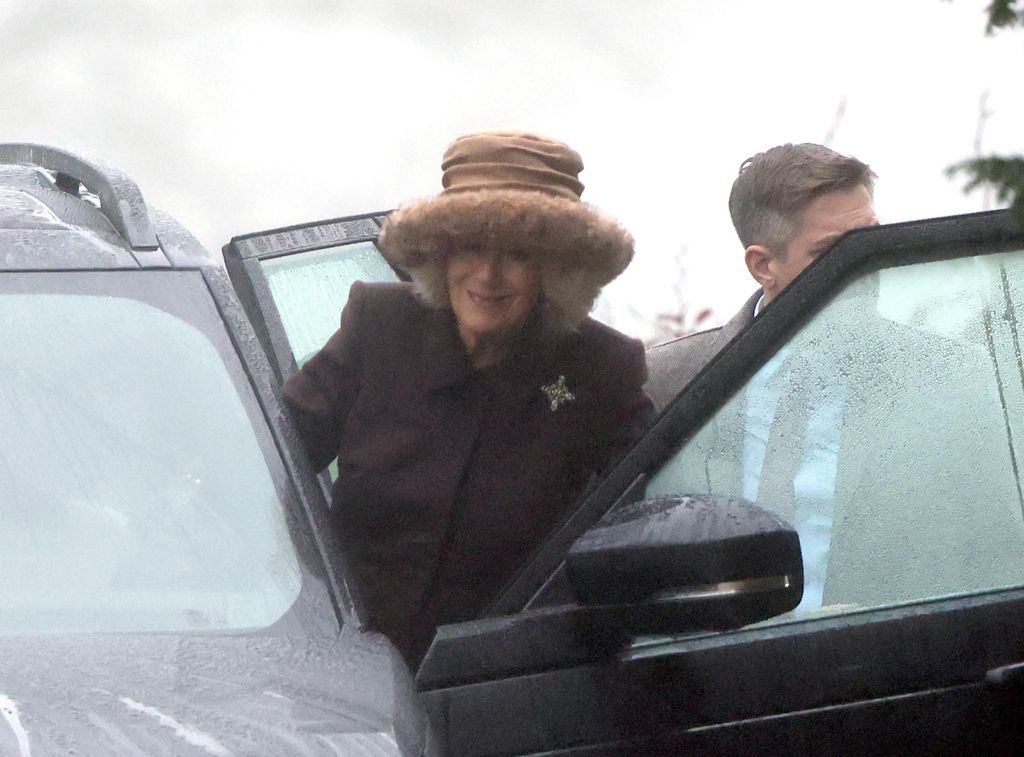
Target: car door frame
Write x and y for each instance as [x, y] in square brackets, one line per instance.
[245, 254]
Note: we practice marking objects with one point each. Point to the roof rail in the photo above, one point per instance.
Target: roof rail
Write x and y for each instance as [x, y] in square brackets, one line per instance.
[120, 198]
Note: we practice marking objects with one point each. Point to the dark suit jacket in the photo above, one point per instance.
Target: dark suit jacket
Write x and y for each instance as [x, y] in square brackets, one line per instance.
[674, 364]
[451, 476]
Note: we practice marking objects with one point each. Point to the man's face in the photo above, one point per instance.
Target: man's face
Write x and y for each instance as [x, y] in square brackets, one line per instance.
[826, 219]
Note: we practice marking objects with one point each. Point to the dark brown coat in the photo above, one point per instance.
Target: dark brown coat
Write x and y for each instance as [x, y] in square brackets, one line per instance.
[450, 476]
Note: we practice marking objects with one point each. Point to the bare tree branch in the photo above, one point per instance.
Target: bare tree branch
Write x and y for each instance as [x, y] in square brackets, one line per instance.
[979, 135]
[837, 121]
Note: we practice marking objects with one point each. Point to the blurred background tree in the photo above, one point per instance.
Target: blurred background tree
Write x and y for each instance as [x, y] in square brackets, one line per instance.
[1005, 174]
[679, 317]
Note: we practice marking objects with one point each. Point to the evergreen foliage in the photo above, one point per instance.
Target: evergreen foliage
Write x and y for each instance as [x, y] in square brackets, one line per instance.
[1003, 13]
[1005, 174]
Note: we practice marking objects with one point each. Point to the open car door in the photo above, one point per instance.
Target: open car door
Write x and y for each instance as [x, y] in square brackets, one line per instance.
[293, 282]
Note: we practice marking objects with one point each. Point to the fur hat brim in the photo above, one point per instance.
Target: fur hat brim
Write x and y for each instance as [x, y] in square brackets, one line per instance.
[560, 234]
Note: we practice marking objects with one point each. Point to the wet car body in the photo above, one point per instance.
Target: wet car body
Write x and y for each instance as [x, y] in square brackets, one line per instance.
[122, 694]
[101, 668]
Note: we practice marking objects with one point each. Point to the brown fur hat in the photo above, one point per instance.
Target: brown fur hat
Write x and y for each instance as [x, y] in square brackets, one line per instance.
[511, 191]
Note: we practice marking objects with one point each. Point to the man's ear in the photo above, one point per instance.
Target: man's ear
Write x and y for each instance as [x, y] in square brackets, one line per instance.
[759, 262]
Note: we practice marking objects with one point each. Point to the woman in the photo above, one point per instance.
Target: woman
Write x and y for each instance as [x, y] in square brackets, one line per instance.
[470, 407]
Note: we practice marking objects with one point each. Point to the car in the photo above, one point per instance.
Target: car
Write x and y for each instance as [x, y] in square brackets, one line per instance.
[171, 584]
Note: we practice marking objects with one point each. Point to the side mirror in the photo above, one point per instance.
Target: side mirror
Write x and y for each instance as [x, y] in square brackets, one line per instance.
[664, 566]
[686, 563]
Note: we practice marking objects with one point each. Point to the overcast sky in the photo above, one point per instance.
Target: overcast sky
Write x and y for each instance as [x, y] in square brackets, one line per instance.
[240, 116]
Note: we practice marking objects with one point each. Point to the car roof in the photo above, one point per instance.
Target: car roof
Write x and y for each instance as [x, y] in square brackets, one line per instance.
[60, 210]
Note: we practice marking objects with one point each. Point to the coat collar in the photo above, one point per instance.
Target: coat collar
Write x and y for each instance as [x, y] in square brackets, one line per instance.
[445, 362]
[742, 319]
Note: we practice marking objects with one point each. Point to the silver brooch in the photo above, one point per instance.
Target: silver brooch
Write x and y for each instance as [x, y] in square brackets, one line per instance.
[557, 393]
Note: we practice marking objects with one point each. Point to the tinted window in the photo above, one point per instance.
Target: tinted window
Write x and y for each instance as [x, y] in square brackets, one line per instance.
[887, 431]
[311, 288]
[134, 491]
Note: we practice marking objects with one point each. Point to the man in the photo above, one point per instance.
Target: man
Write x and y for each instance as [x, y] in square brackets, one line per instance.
[789, 205]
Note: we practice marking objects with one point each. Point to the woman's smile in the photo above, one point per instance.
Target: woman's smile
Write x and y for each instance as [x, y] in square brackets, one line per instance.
[489, 299]
[492, 294]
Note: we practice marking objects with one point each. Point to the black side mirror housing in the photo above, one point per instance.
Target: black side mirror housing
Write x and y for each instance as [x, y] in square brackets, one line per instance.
[684, 563]
[664, 566]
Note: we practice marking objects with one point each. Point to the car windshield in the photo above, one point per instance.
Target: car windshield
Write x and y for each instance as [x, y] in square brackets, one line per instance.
[135, 489]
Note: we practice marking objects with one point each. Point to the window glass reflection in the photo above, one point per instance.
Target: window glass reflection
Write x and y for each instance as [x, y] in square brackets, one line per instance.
[887, 432]
[135, 494]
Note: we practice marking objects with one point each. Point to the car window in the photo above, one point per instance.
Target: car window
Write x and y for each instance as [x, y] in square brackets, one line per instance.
[310, 289]
[137, 493]
[887, 431]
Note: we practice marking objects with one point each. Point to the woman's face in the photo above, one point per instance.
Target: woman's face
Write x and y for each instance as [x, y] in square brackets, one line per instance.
[492, 293]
